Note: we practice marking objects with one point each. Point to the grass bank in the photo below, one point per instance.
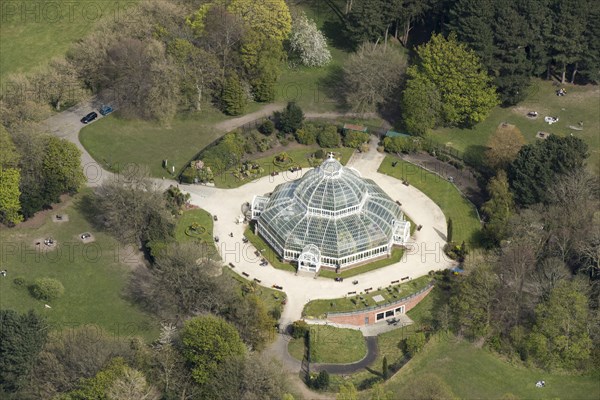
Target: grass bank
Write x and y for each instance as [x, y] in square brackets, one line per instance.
[466, 225]
[476, 373]
[331, 345]
[318, 308]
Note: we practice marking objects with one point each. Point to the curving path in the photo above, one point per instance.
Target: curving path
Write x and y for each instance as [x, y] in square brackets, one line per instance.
[346, 369]
[424, 254]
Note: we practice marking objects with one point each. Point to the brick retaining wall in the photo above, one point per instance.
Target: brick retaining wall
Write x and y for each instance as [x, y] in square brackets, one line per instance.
[358, 317]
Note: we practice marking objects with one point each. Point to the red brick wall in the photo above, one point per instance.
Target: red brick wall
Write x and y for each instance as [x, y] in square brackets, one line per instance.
[359, 318]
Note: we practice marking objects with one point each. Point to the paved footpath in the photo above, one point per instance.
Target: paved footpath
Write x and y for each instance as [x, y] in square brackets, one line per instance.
[424, 253]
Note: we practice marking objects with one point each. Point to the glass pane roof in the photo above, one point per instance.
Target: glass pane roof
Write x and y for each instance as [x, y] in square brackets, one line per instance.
[333, 208]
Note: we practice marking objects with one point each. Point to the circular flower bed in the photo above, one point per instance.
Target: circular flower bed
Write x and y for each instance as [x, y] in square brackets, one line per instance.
[195, 230]
[283, 160]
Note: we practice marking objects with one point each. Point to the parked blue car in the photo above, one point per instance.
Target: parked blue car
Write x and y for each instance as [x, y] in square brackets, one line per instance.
[105, 110]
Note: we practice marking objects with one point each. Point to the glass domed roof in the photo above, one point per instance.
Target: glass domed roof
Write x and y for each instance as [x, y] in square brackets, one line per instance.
[333, 208]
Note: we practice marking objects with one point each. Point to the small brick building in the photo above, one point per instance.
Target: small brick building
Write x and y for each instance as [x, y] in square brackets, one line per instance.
[375, 314]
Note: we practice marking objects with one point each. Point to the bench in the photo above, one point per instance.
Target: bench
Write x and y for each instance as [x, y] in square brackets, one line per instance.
[245, 274]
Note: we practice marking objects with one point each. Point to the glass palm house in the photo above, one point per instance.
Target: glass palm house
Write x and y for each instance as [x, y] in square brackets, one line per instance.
[331, 217]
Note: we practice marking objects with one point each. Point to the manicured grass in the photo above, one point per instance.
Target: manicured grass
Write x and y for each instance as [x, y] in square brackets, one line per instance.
[91, 273]
[308, 87]
[475, 373]
[268, 252]
[395, 257]
[313, 88]
[331, 345]
[580, 104]
[116, 142]
[464, 214]
[33, 32]
[205, 220]
[319, 308]
[300, 155]
[390, 345]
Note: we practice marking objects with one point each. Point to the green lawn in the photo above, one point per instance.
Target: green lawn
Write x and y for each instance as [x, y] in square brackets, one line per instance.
[91, 273]
[582, 103]
[267, 252]
[299, 154]
[331, 345]
[384, 262]
[116, 142]
[475, 373]
[205, 236]
[314, 88]
[464, 214]
[318, 308]
[33, 32]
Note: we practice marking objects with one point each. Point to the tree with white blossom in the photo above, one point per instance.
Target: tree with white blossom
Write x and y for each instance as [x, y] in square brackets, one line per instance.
[308, 43]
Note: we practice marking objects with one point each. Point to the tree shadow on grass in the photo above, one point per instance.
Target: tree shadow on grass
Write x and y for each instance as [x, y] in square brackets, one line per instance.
[336, 35]
[333, 86]
[475, 155]
[87, 206]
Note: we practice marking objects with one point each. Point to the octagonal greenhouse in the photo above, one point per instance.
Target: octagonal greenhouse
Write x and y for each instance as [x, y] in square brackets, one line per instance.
[330, 217]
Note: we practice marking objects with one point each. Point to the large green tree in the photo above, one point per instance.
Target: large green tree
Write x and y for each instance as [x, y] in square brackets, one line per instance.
[421, 104]
[561, 334]
[22, 337]
[62, 168]
[498, 208]
[538, 165]
[457, 74]
[499, 33]
[568, 34]
[207, 342]
[271, 18]
[9, 196]
[475, 301]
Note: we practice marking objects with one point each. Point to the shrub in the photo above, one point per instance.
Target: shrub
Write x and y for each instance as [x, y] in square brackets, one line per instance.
[457, 164]
[276, 313]
[329, 137]
[267, 127]
[364, 148]
[19, 281]
[290, 119]
[400, 144]
[307, 134]
[456, 251]
[47, 289]
[320, 154]
[188, 175]
[415, 343]
[299, 329]
[265, 144]
[321, 381]
[442, 157]
[355, 139]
